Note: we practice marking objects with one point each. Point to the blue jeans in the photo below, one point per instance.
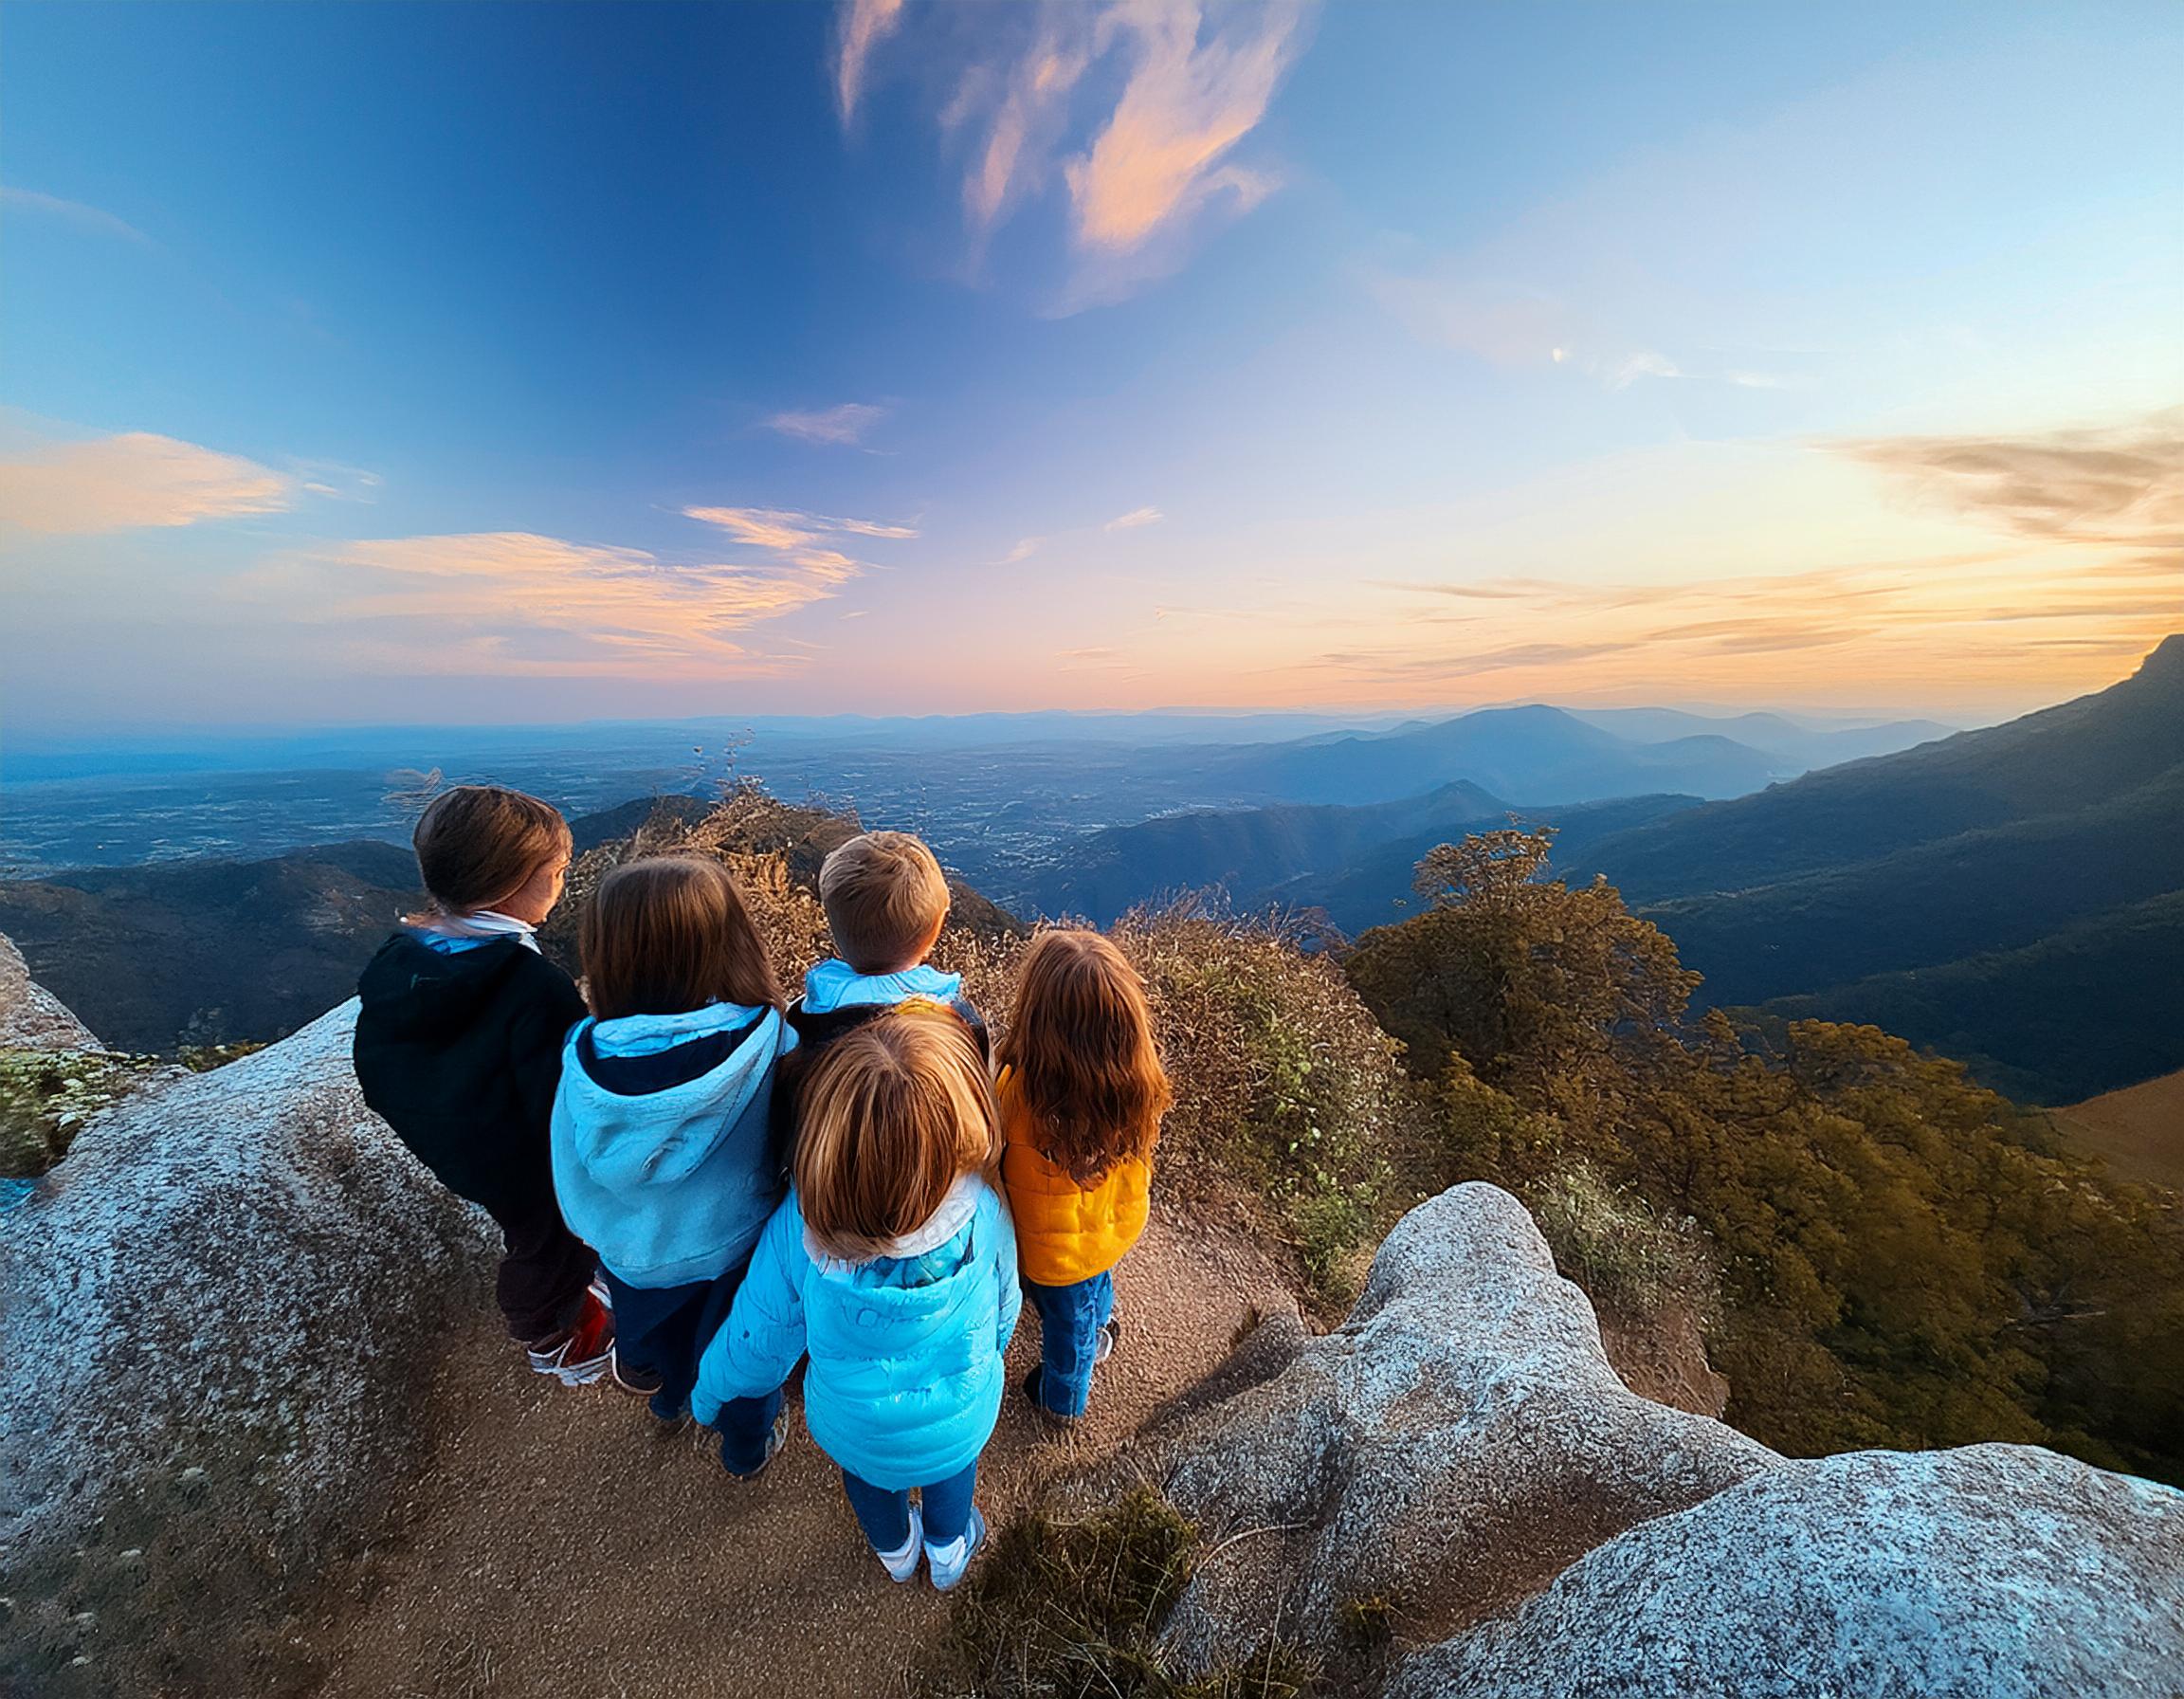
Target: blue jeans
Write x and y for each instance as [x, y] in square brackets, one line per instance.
[884, 1516]
[1070, 1318]
[662, 1331]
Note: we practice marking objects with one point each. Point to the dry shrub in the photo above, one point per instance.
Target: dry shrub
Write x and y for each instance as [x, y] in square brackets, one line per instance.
[1284, 1081]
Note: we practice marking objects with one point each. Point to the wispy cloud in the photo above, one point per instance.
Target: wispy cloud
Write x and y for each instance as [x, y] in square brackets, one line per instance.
[1134, 518]
[1023, 550]
[523, 604]
[132, 480]
[2121, 484]
[865, 23]
[1143, 167]
[843, 425]
[75, 212]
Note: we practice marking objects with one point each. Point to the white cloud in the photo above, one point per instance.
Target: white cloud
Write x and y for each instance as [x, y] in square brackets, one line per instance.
[844, 424]
[75, 212]
[1136, 516]
[1024, 548]
[135, 480]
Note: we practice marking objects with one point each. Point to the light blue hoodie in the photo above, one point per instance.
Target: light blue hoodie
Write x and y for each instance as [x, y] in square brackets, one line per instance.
[906, 1376]
[834, 984]
[674, 1185]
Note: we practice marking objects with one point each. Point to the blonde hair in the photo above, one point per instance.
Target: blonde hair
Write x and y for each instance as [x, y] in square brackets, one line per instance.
[477, 844]
[896, 1111]
[885, 898]
[668, 934]
[1080, 1053]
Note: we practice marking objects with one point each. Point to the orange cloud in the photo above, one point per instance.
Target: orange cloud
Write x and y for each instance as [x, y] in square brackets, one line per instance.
[864, 25]
[131, 480]
[1187, 103]
[516, 602]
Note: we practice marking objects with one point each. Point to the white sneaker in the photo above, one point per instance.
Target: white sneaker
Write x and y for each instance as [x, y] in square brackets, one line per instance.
[1109, 1334]
[902, 1565]
[949, 1562]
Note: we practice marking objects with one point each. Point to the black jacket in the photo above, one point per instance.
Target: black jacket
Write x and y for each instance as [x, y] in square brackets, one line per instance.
[461, 1053]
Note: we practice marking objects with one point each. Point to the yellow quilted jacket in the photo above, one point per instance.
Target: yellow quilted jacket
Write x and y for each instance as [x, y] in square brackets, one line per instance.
[1064, 1232]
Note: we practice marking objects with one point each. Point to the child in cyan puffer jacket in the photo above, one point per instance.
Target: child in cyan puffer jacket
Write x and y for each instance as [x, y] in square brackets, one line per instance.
[893, 1263]
[665, 1153]
[1080, 1094]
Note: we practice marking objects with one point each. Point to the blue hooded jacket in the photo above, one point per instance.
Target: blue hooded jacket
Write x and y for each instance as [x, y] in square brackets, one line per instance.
[906, 1376]
[673, 1185]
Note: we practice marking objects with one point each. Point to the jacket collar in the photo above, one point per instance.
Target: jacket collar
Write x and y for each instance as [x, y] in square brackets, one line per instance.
[834, 984]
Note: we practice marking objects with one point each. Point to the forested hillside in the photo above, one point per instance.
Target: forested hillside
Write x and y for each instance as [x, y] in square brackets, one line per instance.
[1997, 895]
[1905, 1258]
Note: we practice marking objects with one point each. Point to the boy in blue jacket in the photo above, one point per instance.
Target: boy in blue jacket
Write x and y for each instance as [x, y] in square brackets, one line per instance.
[893, 1263]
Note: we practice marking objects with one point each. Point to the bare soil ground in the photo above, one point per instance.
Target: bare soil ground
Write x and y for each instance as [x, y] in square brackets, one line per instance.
[2137, 1131]
[557, 1545]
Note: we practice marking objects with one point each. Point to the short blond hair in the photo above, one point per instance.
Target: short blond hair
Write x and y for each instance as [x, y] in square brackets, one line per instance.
[895, 1113]
[885, 898]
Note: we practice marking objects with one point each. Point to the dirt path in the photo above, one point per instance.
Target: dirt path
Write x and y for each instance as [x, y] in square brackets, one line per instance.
[556, 1545]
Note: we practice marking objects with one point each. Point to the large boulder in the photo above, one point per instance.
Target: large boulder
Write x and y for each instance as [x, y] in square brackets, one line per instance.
[214, 1314]
[1461, 1439]
[1993, 1572]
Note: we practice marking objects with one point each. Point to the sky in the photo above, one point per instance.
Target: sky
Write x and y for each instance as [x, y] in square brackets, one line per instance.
[502, 363]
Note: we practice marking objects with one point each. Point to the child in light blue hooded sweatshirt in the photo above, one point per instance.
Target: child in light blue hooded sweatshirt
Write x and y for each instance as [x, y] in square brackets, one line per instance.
[664, 1137]
[886, 900]
[893, 1263]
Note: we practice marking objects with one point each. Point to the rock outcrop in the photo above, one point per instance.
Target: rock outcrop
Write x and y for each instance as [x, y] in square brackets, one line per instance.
[1991, 1572]
[31, 1017]
[1459, 1461]
[1461, 1439]
[213, 1314]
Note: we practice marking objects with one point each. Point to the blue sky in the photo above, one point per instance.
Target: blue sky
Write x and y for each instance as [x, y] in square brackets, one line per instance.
[509, 362]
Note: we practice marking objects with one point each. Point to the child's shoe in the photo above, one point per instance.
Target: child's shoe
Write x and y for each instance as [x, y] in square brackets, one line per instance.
[902, 1565]
[580, 1354]
[775, 1439]
[1110, 1335]
[949, 1562]
[1031, 1385]
[635, 1382]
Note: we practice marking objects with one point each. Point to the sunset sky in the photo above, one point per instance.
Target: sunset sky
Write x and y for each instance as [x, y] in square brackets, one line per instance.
[498, 364]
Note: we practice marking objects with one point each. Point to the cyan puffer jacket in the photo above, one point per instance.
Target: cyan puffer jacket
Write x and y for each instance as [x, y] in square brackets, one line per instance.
[907, 1377]
[671, 1185]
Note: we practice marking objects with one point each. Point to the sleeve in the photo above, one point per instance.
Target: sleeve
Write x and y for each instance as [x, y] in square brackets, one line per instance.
[536, 1040]
[759, 1343]
[1005, 1270]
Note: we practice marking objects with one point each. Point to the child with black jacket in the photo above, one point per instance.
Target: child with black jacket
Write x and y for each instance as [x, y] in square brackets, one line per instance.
[459, 1046]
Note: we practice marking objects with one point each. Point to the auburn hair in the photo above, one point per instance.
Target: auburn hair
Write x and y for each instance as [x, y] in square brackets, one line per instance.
[668, 934]
[1080, 1055]
[885, 897]
[477, 844]
[893, 1114]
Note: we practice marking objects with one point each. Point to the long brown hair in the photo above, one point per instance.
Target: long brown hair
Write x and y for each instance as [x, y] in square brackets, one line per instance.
[670, 934]
[1081, 1052]
[895, 1112]
[477, 844]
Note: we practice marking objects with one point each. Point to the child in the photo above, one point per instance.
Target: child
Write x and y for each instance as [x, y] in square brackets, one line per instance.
[661, 1152]
[893, 1263]
[459, 1046]
[886, 902]
[1081, 1095]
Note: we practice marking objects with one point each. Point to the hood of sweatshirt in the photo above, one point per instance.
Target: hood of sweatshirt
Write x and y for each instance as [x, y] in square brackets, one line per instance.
[834, 984]
[670, 1186]
[413, 990]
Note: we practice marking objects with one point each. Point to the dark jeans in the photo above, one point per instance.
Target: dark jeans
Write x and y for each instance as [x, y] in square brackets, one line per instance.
[884, 1516]
[543, 1273]
[1070, 1318]
[663, 1330]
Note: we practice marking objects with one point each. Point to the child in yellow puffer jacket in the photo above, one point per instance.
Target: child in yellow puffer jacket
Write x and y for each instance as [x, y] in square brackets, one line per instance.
[1080, 1093]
